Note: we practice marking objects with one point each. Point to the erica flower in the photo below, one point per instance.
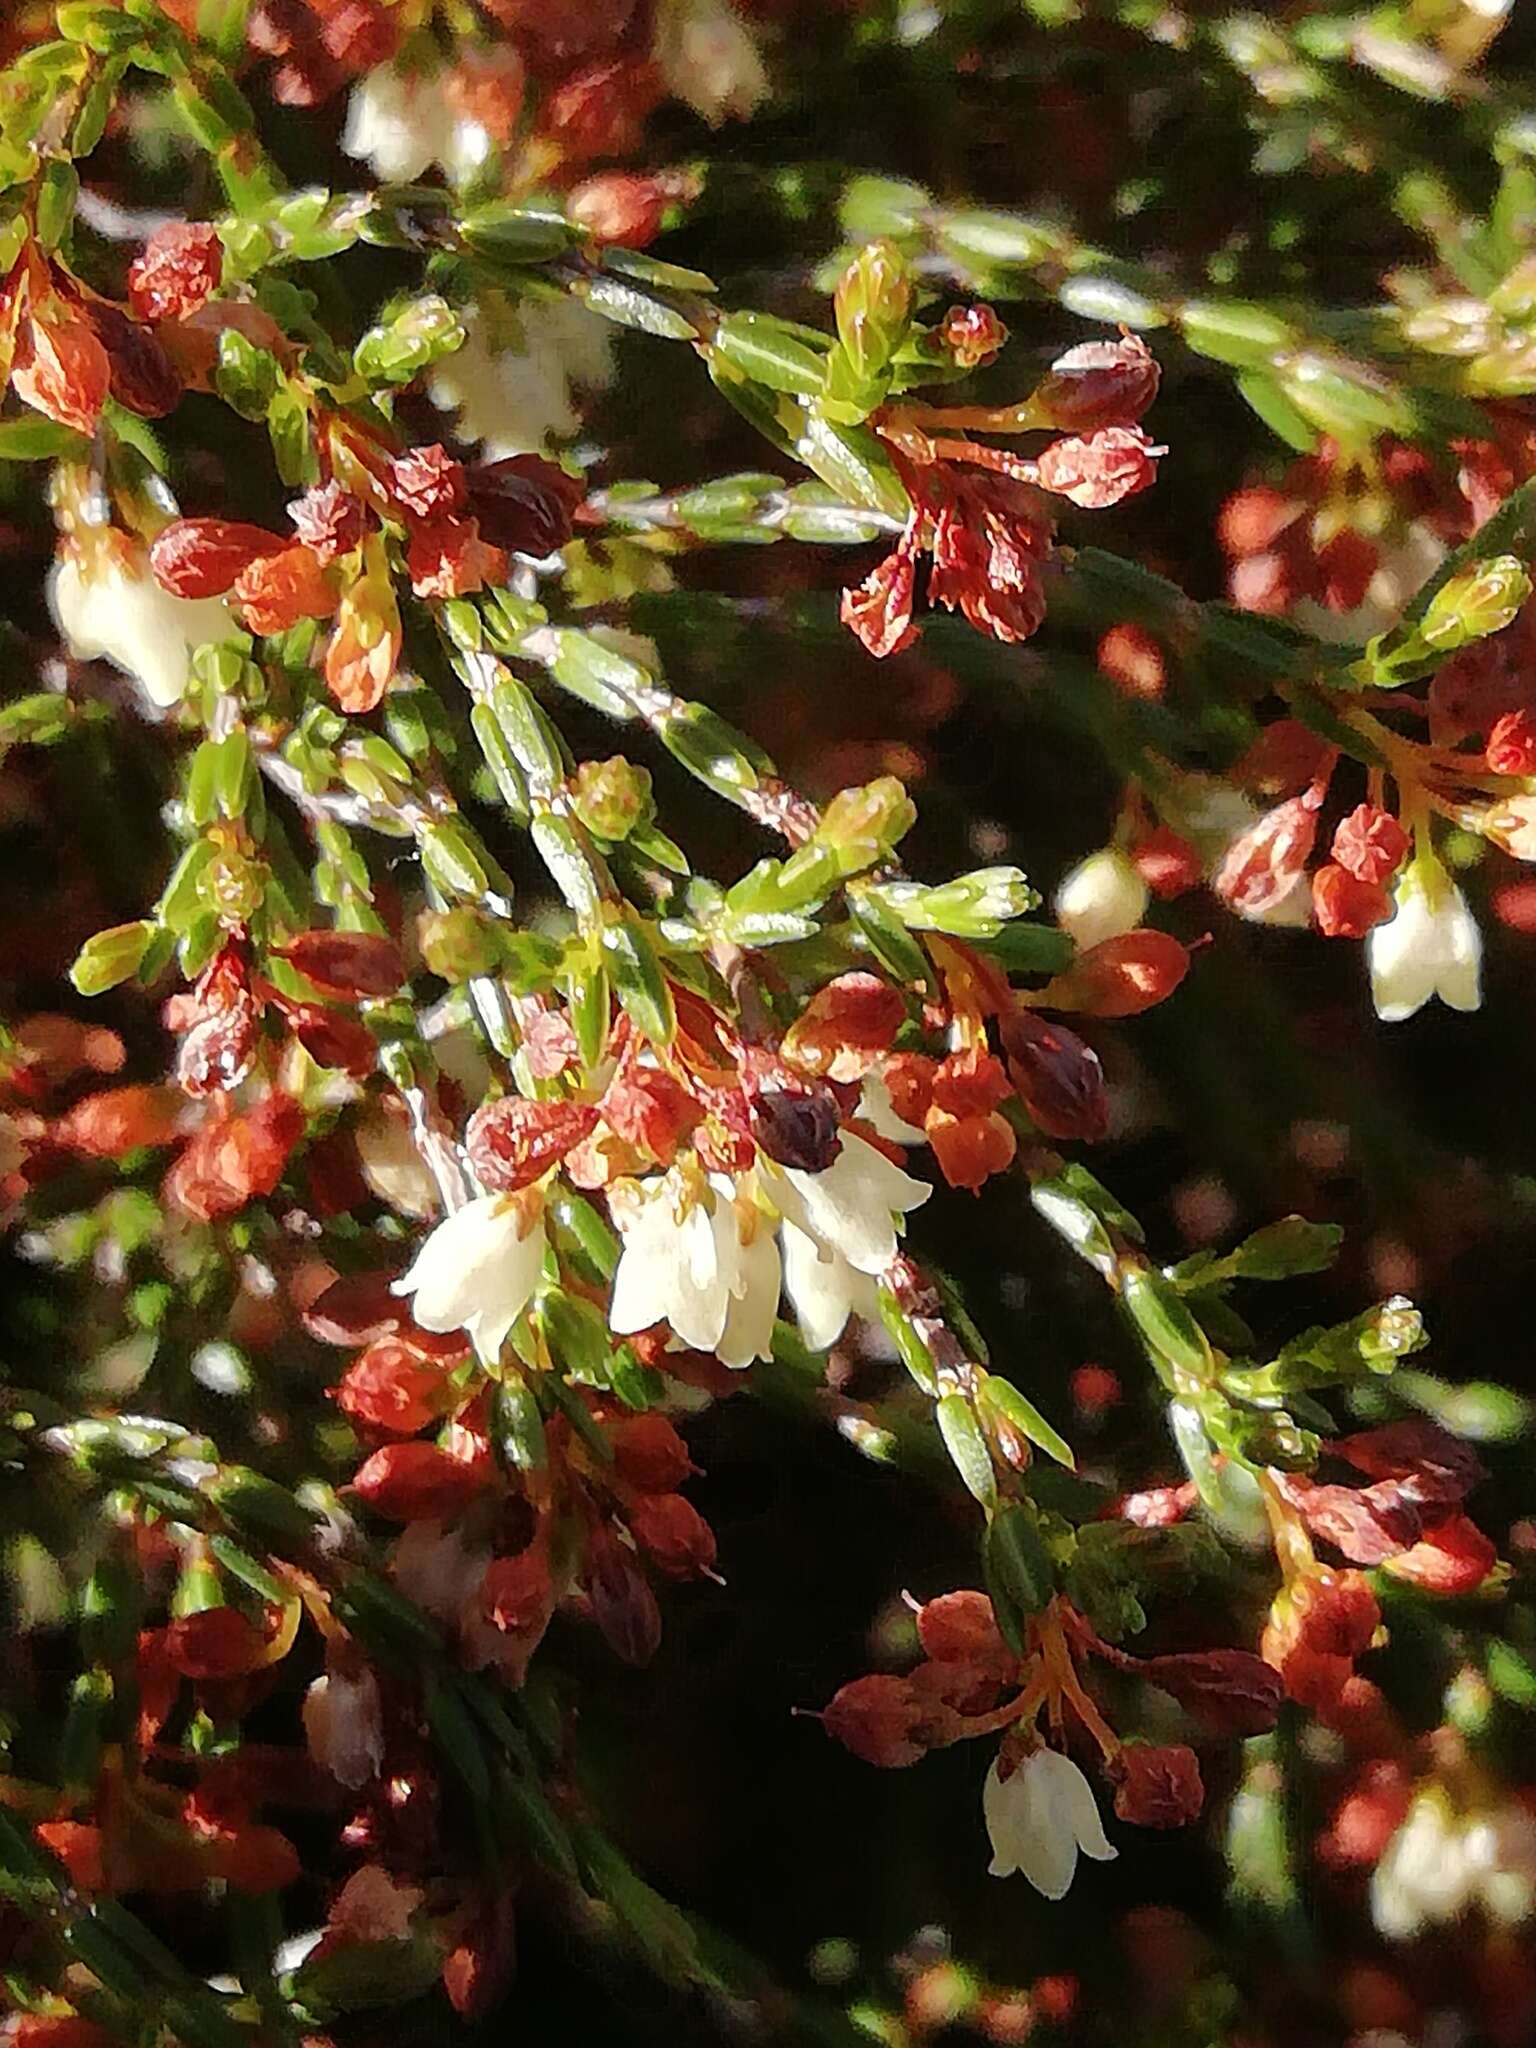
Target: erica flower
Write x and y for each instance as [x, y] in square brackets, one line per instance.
[1432, 947]
[402, 123]
[1441, 1862]
[703, 1256]
[518, 398]
[691, 1259]
[344, 1725]
[478, 1270]
[709, 59]
[1101, 898]
[109, 607]
[1039, 1817]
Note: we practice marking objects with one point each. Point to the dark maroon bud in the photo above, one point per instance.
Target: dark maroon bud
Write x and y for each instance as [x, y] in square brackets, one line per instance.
[524, 504]
[797, 1129]
[1059, 1079]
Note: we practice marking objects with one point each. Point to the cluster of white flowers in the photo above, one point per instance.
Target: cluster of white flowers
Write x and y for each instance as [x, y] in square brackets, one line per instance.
[1431, 947]
[707, 1254]
[109, 607]
[711, 1256]
[1442, 1862]
[400, 123]
[518, 399]
[1038, 1820]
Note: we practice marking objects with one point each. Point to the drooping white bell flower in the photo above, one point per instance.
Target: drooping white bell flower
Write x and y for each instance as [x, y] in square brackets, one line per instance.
[437, 1569]
[478, 1269]
[519, 398]
[1101, 898]
[344, 1725]
[850, 1207]
[823, 1289]
[109, 607]
[1431, 947]
[709, 60]
[398, 122]
[1422, 1878]
[1039, 1818]
[687, 1261]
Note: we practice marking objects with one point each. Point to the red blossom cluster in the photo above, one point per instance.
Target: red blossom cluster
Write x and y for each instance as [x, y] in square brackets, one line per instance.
[490, 1545]
[460, 523]
[989, 535]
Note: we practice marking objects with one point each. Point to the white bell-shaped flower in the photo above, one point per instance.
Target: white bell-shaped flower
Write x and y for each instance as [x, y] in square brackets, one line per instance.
[1422, 1878]
[478, 1270]
[518, 399]
[1102, 897]
[400, 123]
[1431, 947]
[344, 1725]
[110, 608]
[1039, 1818]
[849, 1208]
[688, 1261]
[708, 59]
[824, 1290]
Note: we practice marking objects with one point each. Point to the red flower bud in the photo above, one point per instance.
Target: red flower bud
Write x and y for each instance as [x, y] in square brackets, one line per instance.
[908, 1078]
[80, 1847]
[347, 963]
[1512, 745]
[618, 206]
[1370, 844]
[1260, 867]
[845, 1025]
[1232, 1691]
[623, 1605]
[62, 370]
[970, 1149]
[1097, 472]
[415, 1482]
[672, 1533]
[879, 1718]
[277, 590]
[1159, 1787]
[178, 268]
[523, 504]
[648, 1453]
[141, 375]
[970, 1083]
[1099, 384]
[517, 1593]
[1345, 907]
[119, 1120]
[1453, 1558]
[651, 1111]
[1166, 862]
[216, 1642]
[428, 482]
[1059, 1079]
[511, 1142]
[234, 1156]
[328, 520]
[600, 111]
[391, 1387]
[1133, 662]
[202, 557]
[959, 1627]
[1123, 976]
[254, 1859]
[332, 1041]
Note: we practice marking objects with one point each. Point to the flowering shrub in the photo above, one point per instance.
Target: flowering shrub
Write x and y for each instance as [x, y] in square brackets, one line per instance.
[457, 1114]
